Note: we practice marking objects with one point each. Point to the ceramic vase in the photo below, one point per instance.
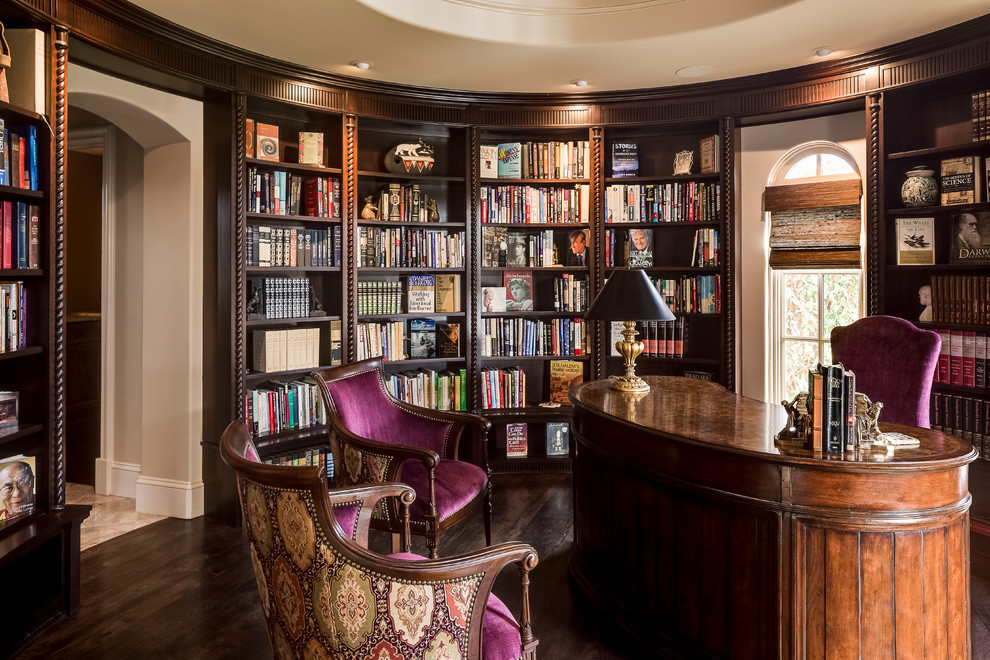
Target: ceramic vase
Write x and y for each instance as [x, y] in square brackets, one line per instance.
[919, 188]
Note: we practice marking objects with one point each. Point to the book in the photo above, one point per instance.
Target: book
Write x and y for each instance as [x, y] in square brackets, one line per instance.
[625, 159]
[640, 246]
[336, 343]
[310, 148]
[563, 375]
[448, 340]
[9, 409]
[494, 247]
[834, 411]
[816, 411]
[578, 251]
[970, 238]
[558, 439]
[518, 290]
[420, 294]
[488, 165]
[708, 154]
[516, 440]
[34, 237]
[849, 408]
[699, 375]
[516, 250]
[959, 181]
[915, 241]
[510, 160]
[267, 141]
[18, 474]
[422, 338]
[448, 292]
[249, 138]
[493, 299]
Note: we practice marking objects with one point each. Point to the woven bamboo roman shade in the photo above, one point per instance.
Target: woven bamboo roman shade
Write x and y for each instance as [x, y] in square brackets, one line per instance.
[815, 225]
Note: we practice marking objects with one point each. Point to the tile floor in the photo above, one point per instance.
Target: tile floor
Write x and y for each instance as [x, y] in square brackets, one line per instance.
[111, 516]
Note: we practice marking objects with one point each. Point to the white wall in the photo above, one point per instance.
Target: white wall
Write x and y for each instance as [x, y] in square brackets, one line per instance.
[158, 311]
[760, 149]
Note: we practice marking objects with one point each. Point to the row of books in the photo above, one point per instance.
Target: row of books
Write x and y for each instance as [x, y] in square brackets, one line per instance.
[536, 160]
[281, 405]
[519, 337]
[698, 294]
[278, 192]
[508, 248]
[661, 339]
[832, 409]
[431, 339]
[962, 359]
[503, 388]
[679, 201]
[280, 247]
[289, 349]
[13, 316]
[570, 294]
[19, 160]
[963, 416]
[981, 115]
[386, 340]
[409, 247]
[439, 390]
[319, 456]
[438, 293]
[557, 435]
[280, 297]
[535, 205]
[634, 248]
[404, 203]
[20, 235]
[963, 299]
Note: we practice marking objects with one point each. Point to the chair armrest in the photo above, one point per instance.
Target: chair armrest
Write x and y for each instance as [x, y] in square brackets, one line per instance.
[399, 452]
[366, 497]
[457, 417]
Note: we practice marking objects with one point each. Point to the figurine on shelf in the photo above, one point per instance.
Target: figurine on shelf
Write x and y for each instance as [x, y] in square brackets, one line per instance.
[315, 308]
[433, 215]
[370, 210]
[254, 311]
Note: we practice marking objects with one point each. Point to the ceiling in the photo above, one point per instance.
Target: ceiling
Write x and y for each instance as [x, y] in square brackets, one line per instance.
[544, 45]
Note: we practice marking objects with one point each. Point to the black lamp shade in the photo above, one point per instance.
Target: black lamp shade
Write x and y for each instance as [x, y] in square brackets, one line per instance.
[628, 295]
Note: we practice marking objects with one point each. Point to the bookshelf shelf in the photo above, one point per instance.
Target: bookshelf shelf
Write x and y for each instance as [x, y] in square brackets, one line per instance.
[714, 176]
[277, 218]
[14, 192]
[974, 147]
[293, 167]
[302, 320]
[9, 435]
[22, 352]
[413, 178]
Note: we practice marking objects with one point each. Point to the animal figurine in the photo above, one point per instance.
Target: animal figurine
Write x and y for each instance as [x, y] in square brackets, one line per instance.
[370, 210]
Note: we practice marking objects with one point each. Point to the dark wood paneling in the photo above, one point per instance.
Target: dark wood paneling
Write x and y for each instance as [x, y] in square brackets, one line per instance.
[909, 633]
[876, 551]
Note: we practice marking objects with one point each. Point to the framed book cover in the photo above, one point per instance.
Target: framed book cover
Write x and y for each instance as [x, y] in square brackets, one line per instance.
[310, 148]
[17, 486]
[448, 292]
[640, 246]
[9, 410]
[489, 161]
[558, 439]
[267, 136]
[959, 179]
[448, 340]
[422, 339]
[510, 160]
[518, 290]
[516, 440]
[517, 252]
[563, 375]
[970, 238]
[625, 159]
[915, 241]
[493, 299]
[708, 154]
[420, 294]
[578, 252]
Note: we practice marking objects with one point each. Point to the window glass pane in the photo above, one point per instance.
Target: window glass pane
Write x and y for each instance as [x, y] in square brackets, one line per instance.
[832, 164]
[799, 356]
[801, 305]
[841, 300]
[804, 168]
[826, 352]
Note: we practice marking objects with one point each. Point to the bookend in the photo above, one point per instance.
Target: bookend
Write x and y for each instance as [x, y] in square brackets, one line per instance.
[315, 307]
[795, 432]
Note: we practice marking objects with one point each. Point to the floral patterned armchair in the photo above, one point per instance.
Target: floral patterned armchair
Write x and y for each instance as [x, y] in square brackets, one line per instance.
[327, 596]
[375, 438]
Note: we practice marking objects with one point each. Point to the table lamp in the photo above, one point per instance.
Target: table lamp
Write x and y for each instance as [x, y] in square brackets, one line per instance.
[629, 296]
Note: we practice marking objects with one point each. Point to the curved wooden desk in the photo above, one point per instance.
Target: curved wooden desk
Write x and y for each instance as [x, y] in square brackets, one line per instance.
[700, 537]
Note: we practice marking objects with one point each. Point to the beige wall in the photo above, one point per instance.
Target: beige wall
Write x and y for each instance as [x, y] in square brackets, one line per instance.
[158, 260]
[761, 147]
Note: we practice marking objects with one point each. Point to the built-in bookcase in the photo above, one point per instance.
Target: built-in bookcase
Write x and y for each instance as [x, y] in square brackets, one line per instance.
[411, 258]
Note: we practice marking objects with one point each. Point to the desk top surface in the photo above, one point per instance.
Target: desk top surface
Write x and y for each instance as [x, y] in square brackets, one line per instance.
[698, 411]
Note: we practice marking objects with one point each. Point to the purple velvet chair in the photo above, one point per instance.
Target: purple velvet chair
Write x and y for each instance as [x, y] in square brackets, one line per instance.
[894, 362]
[325, 595]
[376, 438]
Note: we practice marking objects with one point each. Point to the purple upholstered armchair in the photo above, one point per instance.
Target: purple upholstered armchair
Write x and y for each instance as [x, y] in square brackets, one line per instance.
[894, 362]
[376, 438]
[325, 595]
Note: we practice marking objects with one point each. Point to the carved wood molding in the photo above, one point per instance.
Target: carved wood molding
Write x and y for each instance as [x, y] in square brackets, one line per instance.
[474, 274]
[263, 84]
[536, 116]
[60, 104]
[597, 139]
[958, 59]
[238, 246]
[349, 227]
[874, 177]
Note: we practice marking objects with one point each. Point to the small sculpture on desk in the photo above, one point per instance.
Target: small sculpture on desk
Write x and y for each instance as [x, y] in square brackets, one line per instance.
[370, 210]
[798, 422]
[254, 312]
[315, 308]
[867, 424]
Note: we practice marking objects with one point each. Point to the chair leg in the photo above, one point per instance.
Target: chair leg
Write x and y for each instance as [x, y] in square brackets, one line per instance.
[487, 513]
[397, 544]
[433, 542]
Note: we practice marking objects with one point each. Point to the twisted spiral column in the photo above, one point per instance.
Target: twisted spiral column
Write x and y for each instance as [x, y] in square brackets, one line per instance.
[60, 101]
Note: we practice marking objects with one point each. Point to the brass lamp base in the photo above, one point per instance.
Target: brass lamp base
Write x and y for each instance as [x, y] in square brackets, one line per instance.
[630, 348]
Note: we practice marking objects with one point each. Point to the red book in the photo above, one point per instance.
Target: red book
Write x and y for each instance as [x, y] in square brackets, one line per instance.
[8, 231]
[942, 373]
[969, 358]
[955, 357]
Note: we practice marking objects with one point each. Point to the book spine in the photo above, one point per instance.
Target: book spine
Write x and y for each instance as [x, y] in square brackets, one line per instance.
[849, 403]
[832, 424]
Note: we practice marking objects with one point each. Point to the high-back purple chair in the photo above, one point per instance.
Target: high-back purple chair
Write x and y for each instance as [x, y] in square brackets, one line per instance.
[326, 595]
[894, 363]
[376, 438]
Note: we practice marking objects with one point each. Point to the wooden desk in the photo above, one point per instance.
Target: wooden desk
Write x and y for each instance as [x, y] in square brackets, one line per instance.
[699, 536]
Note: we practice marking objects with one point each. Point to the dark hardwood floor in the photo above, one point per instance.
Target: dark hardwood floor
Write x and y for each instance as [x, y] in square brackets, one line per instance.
[185, 589]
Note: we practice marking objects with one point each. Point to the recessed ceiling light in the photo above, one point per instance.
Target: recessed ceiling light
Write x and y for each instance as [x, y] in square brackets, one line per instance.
[694, 71]
[824, 51]
[360, 64]
[580, 83]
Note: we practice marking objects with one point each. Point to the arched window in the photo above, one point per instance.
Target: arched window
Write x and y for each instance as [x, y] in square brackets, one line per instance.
[815, 284]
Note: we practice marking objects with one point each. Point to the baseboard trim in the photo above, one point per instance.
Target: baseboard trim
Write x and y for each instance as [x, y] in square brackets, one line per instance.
[115, 478]
[167, 497]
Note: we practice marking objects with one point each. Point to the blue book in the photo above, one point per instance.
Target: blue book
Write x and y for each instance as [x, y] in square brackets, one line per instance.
[32, 156]
[510, 160]
[22, 235]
